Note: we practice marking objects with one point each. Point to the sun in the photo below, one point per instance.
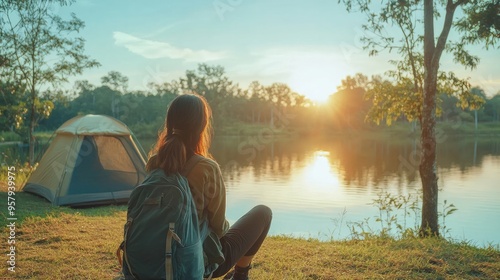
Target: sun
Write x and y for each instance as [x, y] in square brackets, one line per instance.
[317, 93]
[315, 82]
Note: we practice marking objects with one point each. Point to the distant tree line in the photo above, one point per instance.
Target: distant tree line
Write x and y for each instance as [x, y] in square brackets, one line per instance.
[144, 110]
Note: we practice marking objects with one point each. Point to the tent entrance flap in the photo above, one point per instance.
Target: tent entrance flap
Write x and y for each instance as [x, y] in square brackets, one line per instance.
[103, 165]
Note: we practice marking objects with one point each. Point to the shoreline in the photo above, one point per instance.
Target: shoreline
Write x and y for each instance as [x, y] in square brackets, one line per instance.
[400, 129]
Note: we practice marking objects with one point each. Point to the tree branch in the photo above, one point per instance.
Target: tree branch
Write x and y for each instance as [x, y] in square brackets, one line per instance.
[443, 37]
[458, 3]
[16, 46]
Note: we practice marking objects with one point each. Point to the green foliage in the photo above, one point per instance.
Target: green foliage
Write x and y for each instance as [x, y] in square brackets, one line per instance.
[466, 117]
[404, 16]
[9, 136]
[22, 174]
[32, 35]
[448, 209]
[391, 100]
[12, 106]
[492, 107]
[392, 26]
[116, 81]
[257, 105]
[144, 111]
[481, 23]
[398, 217]
[39, 50]
[212, 83]
[348, 107]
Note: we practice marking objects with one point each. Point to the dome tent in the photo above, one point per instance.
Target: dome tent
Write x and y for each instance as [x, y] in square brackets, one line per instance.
[93, 159]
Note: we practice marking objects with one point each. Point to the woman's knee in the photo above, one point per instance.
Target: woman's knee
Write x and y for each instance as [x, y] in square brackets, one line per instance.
[264, 212]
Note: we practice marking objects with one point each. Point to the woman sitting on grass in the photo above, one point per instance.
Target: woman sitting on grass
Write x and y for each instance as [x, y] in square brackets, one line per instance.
[187, 132]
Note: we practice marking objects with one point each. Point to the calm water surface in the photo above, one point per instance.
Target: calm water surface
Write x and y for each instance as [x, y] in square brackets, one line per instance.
[316, 187]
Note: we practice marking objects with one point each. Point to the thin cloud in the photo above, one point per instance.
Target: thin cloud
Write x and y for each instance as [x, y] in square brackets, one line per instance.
[155, 49]
[287, 63]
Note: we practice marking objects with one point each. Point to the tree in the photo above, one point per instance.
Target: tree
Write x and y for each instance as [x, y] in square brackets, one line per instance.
[12, 107]
[115, 81]
[41, 49]
[214, 85]
[406, 14]
[348, 104]
[479, 92]
[449, 107]
[256, 98]
[173, 88]
[118, 83]
[84, 102]
[279, 96]
[61, 109]
[397, 96]
[400, 94]
[492, 107]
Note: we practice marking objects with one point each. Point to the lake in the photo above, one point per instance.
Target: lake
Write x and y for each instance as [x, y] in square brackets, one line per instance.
[317, 187]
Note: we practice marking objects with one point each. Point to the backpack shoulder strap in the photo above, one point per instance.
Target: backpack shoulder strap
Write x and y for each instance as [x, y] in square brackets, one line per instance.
[190, 164]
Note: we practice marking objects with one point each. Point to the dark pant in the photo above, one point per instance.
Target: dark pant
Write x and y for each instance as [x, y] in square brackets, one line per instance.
[244, 237]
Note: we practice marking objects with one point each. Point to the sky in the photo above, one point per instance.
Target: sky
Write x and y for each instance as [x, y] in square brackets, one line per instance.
[309, 45]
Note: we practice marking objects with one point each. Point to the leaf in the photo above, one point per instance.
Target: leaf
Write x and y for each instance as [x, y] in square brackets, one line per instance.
[451, 211]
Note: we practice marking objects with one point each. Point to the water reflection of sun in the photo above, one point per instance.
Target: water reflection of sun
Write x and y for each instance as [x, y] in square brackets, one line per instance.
[318, 174]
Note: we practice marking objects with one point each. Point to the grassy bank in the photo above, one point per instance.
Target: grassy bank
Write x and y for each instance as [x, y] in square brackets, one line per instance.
[245, 129]
[64, 243]
[405, 129]
[457, 128]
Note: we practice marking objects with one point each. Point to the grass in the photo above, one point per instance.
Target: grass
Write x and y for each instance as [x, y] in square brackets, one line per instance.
[399, 129]
[20, 175]
[442, 128]
[9, 136]
[80, 244]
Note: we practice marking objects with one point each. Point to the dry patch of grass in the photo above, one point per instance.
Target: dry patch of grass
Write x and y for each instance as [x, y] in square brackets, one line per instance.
[69, 246]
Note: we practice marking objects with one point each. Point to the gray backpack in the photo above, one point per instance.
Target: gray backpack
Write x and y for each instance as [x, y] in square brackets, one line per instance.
[162, 237]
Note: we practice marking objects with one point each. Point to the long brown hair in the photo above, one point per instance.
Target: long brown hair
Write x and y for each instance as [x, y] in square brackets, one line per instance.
[187, 131]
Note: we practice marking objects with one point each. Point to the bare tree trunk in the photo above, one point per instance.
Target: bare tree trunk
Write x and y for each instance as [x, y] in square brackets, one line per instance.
[428, 175]
[428, 167]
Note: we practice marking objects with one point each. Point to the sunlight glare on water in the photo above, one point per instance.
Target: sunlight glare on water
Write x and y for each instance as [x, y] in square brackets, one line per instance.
[315, 188]
[316, 183]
